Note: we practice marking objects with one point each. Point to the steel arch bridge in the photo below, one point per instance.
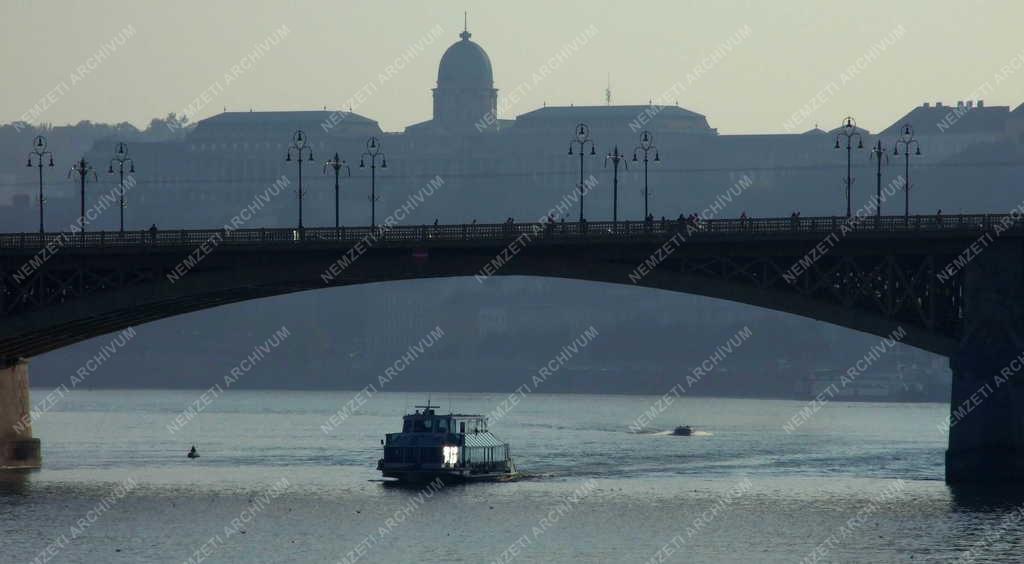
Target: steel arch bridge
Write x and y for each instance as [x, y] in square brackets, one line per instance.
[952, 285]
[871, 275]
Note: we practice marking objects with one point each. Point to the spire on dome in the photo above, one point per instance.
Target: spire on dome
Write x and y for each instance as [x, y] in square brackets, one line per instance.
[465, 35]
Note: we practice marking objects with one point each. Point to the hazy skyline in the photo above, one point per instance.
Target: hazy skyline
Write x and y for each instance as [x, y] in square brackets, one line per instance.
[330, 52]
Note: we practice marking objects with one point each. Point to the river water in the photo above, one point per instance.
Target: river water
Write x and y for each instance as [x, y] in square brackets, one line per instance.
[276, 483]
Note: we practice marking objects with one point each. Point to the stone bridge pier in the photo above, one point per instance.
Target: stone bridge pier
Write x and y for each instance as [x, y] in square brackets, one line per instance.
[18, 450]
[986, 433]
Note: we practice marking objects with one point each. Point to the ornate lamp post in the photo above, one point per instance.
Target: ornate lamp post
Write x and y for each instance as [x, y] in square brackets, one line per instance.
[615, 157]
[646, 146]
[582, 139]
[121, 157]
[337, 164]
[299, 148]
[372, 152]
[849, 131]
[84, 170]
[878, 153]
[907, 140]
[39, 151]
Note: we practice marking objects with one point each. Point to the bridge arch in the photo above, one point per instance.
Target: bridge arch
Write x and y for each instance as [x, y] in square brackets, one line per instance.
[86, 291]
[877, 276]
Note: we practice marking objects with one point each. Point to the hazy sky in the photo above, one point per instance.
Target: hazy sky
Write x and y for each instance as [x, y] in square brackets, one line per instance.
[795, 50]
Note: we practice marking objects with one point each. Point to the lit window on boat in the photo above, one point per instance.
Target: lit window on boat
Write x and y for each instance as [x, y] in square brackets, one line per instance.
[451, 455]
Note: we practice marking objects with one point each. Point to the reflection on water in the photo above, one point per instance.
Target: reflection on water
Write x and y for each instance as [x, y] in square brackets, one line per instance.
[649, 487]
[986, 498]
[15, 482]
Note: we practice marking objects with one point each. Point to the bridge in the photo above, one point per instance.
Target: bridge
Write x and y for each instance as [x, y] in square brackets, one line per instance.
[952, 285]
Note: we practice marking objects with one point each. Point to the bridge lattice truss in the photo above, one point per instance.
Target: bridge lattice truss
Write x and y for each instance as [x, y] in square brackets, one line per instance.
[879, 275]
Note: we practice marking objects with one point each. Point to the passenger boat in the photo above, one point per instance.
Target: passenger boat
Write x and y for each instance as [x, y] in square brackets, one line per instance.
[455, 447]
[683, 431]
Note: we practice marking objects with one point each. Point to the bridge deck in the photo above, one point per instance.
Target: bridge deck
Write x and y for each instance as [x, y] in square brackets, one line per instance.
[955, 225]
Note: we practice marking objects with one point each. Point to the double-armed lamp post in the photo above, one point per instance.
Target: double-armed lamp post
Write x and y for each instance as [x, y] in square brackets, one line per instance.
[646, 146]
[121, 158]
[849, 132]
[372, 152]
[337, 164]
[84, 170]
[37, 156]
[615, 157]
[582, 139]
[908, 142]
[878, 153]
[299, 148]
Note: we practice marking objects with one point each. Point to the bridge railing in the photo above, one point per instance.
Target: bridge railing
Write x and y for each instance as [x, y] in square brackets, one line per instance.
[504, 231]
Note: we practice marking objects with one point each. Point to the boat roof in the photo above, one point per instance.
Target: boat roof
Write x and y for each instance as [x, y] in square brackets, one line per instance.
[481, 440]
[462, 415]
[433, 409]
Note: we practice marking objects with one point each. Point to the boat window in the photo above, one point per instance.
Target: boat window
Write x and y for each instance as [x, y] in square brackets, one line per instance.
[421, 426]
[462, 427]
[406, 426]
[442, 425]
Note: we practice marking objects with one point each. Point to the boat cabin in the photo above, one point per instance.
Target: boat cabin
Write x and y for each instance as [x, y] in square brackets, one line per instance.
[428, 421]
[430, 441]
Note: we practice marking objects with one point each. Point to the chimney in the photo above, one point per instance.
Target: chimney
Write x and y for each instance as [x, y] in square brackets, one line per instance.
[970, 103]
[926, 105]
[938, 104]
[959, 103]
[981, 103]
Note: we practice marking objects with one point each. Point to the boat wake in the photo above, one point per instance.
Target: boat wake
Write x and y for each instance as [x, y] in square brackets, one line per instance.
[671, 433]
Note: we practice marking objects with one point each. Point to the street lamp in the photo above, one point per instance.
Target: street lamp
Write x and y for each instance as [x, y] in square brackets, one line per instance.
[84, 170]
[849, 131]
[582, 139]
[907, 140]
[299, 148]
[121, 157]
[878, 153]
[371, 153]
[39, 151]
[615, 157]
[646, 146]
[337, 164]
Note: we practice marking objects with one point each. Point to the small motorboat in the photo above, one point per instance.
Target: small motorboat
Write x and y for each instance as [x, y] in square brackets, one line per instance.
[682, 431]
[193, 453]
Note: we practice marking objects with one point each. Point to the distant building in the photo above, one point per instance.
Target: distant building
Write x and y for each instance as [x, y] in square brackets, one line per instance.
[947, 130]
[465, 91]
[494, 168]
[497, 168]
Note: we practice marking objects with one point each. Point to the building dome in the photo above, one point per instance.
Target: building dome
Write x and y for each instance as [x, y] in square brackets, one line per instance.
[465, 64]
[465, 99]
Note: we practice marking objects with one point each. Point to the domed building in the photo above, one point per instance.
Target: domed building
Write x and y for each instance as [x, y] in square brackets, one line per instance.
[465, 92]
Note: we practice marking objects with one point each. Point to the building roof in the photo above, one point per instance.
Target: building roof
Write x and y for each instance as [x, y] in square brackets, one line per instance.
[465, 64]
[280, 125]
[635, 117]
[286, 117]
[965, 117]
[628, 112]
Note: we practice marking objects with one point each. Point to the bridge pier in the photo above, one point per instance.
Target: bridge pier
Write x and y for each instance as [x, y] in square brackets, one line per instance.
[986, 433]
[18, 450]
